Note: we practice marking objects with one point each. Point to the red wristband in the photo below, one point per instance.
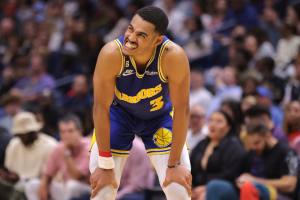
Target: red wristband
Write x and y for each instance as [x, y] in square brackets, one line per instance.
[104, 154]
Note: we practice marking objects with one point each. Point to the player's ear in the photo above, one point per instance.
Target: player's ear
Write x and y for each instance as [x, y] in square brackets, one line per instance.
[159, 40]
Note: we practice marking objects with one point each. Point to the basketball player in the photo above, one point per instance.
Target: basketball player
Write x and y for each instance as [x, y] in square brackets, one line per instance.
[139, 79]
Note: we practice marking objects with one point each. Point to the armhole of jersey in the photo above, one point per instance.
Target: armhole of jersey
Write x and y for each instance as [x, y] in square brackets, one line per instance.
[162, 49]
[123, 57]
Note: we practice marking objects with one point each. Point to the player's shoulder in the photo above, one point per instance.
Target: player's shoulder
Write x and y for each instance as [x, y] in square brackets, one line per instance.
[111, 49]
[173, 52]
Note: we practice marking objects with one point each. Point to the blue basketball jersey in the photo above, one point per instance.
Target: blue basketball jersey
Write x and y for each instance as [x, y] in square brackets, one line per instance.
[145, 96]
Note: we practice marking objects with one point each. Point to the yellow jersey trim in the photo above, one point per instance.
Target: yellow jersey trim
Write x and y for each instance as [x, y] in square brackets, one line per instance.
[162, 49]
[117, 41]
[150, 154]
[149, 62]
[162, 149]
[119, 155]
[120, 151]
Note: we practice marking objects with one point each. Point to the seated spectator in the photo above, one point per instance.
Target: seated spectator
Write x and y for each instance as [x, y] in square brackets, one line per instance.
[137, 174]
[248, 102]
[71, 159]
[50, 112]
[199, 94]
[292, 89]
[219, 12]
[264, 97]
[217, 157]
[263, 113]
[291, 125]
[81, 99]
[270, 23]
[37, 81]
[8, 79]
[12, 106]
[242, 13]
[288, 46]
[270, 80]
[5, 137]
[226, 88]
[197, 129]
[25, 154]
[257, 43]
[260, 179]
[202, 45]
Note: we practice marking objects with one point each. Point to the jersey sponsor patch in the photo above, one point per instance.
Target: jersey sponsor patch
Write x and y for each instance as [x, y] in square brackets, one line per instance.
[162, 137]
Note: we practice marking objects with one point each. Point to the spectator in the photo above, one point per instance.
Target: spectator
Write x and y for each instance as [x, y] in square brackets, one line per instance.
[242, 13]
[270, 80]
[37, 81]
[288, 46]
[248, 102]
[202, 45]
[292, 16]
[219, 13]
[292, 89]
[6, 30]
[257, 43]
[249, 84]
[71, 159]
[50, 112]
[12, 106]
[233, 109]
[81, 98]
[25, 154]
[217, 157]
[263, 113]
[260, 179]
[120, 24]
[264, 97]
[9, 79]
[199, 94]
[137, 174]
[197, 129]
[5, 137]
[175, 16]
[271, 24]
[29, 34]
[226, 86]
[291, 125]
[200, 9]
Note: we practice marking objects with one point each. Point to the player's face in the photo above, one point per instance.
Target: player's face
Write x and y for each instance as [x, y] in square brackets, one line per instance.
[258, 143]
[140, 37]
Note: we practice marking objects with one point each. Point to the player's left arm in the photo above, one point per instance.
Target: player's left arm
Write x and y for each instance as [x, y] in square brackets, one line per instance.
[175, 67]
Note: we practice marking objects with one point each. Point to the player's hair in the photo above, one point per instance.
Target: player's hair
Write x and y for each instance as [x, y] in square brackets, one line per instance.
[71, 118]
[155, 16]
[257, 127]
[258, 111]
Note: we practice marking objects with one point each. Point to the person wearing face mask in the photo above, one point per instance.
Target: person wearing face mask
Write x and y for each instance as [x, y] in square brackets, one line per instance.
[25, 155]
[71, 159]
[218, 156]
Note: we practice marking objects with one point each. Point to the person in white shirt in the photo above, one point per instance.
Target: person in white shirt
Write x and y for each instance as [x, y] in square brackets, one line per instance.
[199, 94]
[197, 129]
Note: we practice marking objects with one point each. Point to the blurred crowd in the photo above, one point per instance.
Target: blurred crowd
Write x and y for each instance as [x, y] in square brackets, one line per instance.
[244, 131]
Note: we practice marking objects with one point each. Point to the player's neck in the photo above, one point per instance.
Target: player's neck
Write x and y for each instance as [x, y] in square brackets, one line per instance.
[141, 60]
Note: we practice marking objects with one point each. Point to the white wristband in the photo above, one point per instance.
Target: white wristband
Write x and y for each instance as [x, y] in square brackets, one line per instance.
[106, 162]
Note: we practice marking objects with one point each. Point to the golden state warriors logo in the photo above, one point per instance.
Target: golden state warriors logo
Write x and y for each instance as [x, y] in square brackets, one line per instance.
[162, 137]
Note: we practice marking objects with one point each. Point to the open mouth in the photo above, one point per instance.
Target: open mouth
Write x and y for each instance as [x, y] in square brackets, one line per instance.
[130, 45]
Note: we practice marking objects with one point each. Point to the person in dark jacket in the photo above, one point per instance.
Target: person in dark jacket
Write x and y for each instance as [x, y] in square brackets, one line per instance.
[217, 157]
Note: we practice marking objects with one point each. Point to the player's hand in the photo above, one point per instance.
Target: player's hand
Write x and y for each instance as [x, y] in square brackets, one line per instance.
[180, 175]
[43, 192]
[101, 178]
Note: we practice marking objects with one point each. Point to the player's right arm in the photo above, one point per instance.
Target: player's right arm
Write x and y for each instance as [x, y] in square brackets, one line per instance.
[108, 66]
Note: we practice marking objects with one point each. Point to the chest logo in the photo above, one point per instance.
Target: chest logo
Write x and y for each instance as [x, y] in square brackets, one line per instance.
[162, 137]
[128, 72]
